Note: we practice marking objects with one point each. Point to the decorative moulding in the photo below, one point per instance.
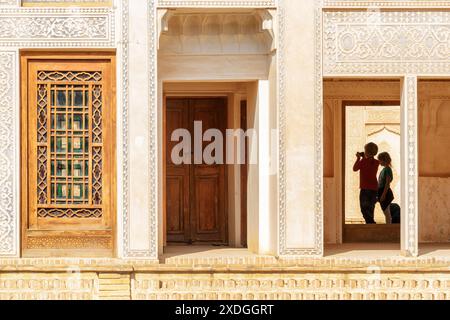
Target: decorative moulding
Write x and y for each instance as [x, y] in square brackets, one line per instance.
[217, 4]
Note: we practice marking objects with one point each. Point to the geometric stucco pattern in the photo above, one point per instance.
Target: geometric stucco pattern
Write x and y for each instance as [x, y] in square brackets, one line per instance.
[386, 42]
[34, 28]
[8, 160]
[57, 27]
[411, 158]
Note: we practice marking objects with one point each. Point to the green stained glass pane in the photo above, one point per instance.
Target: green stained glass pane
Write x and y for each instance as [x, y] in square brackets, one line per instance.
[78, 169]
[61, 144]
[78, 144]
[69, 168]
[61, 168]
[78, 191]
[78, 100]
[86, 168]
[61, 122]
[77, 122]
[52, 144]
[61, 191]
[61, 98]
[69, 144]
[86, 145]
[52, 93]
[70, 99]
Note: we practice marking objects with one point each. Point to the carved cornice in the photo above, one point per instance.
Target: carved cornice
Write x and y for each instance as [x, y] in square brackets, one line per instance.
[217, 4]
[57, 27]
[235, 33]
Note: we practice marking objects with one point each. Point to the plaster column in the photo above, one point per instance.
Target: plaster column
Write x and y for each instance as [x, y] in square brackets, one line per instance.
[140, 235]
[409, 161]
[301, 214]
[260, 235]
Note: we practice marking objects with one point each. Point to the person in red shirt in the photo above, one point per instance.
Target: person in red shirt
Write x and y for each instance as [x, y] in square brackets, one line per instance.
[367, 166]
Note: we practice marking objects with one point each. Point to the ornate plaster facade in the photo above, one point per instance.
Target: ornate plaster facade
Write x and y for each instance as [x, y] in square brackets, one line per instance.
[338, 40]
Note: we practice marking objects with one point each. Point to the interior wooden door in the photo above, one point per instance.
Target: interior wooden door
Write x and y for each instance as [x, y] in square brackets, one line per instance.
[177, 176]
[68, 154]
[196, 194]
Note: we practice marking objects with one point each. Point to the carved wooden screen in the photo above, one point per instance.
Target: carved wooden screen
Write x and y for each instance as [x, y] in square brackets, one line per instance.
[69, 142]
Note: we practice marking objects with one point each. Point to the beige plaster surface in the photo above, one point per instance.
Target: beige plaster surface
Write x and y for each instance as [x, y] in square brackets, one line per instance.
[300, 115]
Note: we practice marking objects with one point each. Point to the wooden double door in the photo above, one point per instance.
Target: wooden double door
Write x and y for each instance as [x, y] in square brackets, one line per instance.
[196, 192]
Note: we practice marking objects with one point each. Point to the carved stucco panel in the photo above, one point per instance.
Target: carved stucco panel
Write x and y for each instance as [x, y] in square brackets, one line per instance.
[57, 27]
[386, 42]
[8, 160]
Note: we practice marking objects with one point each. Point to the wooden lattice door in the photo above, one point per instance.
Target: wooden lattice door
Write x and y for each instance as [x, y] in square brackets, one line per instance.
[68, 152]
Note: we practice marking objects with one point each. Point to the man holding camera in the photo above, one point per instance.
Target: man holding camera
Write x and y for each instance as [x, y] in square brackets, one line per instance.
[367, 166]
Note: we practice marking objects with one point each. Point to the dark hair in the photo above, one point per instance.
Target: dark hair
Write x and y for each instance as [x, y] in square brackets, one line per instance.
[371, 149]
[385, 157]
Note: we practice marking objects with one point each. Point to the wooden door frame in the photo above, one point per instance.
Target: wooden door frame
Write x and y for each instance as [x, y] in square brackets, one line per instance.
[164, 150]
[349, 231]
[26, 55]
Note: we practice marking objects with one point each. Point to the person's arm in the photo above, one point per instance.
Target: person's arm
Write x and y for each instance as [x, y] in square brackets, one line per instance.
[387, 185]
[357, 165]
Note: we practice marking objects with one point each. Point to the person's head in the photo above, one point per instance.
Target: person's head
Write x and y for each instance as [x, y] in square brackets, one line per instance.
[370, 150]
[385, 159]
